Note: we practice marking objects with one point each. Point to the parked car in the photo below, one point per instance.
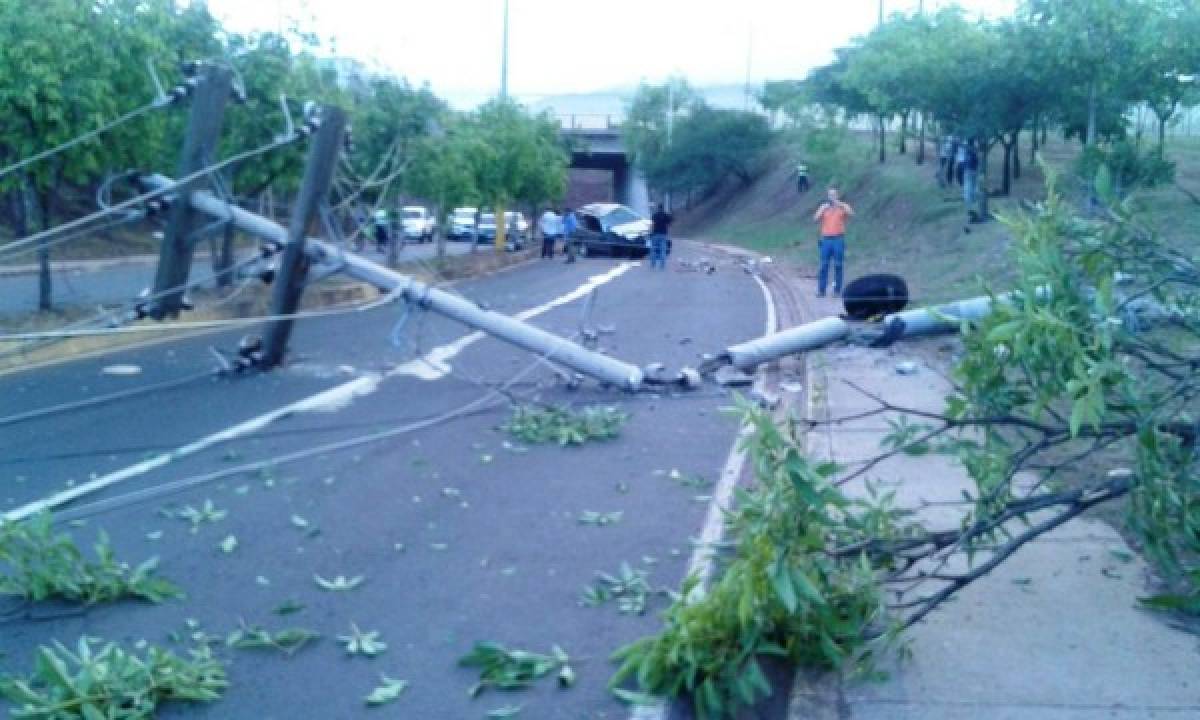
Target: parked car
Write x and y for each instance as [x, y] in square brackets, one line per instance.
[486, 230]
[462, 223]
[611, 229]
[417, 224]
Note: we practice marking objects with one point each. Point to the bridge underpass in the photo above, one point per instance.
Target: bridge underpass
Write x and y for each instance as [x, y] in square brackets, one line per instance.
[597, 153]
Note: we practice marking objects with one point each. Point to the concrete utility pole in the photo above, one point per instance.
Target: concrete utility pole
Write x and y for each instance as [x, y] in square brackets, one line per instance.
[556, 350]
[199, 150]
[293, 268]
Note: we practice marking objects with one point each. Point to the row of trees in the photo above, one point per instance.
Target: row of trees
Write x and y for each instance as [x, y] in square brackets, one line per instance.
[67, 67]
[1080, 66]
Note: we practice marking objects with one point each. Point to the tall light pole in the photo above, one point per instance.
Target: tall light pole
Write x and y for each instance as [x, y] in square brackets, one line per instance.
[501, 219]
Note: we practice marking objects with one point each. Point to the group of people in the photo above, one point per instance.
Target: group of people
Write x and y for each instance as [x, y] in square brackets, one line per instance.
[555, 227]
[958, 162]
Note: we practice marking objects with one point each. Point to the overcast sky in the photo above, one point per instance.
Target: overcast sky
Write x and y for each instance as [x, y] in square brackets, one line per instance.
[577, 46]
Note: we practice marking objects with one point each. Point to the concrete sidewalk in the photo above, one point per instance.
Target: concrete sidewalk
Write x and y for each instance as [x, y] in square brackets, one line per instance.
[1054, 633]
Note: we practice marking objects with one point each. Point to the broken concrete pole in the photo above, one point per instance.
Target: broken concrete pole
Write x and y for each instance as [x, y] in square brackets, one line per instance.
[749, 355]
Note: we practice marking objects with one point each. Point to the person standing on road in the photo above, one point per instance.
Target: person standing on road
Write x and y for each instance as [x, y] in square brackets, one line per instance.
[381, 230]
[659, 237]
[832, 216]
[552, 227]
[570, 224]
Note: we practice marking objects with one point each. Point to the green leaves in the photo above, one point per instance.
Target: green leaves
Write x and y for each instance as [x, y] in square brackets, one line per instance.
[388, 691]
[287, 641]
[36, 564]
[362, 643]
[565, 426]
[339, 583]
[629, 587]
[505, 669]
[106, 681]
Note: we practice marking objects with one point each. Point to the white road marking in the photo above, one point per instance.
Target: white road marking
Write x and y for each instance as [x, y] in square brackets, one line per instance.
[327, 401]
[700, 563]
[434, 365]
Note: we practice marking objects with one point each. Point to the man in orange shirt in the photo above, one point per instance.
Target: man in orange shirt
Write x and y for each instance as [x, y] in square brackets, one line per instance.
[832, 215]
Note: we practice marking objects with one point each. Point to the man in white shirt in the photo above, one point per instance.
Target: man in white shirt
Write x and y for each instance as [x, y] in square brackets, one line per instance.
[551, 227]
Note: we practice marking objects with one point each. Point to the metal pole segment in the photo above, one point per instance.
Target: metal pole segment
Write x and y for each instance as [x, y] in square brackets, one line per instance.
[293, 268]
[523, 335]
[199, 149]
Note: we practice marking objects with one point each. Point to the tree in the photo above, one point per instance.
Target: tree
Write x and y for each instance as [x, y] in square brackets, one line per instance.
[646, 122]
[441, 171]
[514, 156]
[710, 144]
[1168, 60]
[1071, 374]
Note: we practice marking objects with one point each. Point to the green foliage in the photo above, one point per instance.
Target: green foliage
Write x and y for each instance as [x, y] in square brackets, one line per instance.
[780, 595]
[38, 564]
[1127, 168]
[629, 587]
[707, 144]
[514, 155]
[563, 425]
[504, 669]
[288, 641]
[388, 691]
[363, 643]
[106, 682]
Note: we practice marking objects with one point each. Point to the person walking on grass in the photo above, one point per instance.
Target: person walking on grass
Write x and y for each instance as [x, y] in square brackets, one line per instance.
[832, 216]
[660, 227]
[551, 226]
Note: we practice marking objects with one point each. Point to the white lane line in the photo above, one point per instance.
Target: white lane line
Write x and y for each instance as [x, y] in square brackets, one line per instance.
[701, 563]
[434, 365]
[328, 401]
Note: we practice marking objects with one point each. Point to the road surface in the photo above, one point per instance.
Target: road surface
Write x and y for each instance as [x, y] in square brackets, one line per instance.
[74, 284]
[460, 533]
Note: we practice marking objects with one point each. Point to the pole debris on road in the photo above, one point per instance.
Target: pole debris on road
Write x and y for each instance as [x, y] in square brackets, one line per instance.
[554, 348]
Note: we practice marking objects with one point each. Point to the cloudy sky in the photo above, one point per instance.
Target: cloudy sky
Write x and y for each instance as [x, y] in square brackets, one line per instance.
[578, 46]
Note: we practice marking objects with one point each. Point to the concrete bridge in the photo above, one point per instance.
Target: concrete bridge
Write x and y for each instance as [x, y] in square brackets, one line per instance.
[597, 145]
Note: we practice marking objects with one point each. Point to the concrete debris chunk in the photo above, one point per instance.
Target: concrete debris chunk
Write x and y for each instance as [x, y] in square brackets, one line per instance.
[654, 372]
[690, 379]
[764, 400]
[729, 376]
[906, 367]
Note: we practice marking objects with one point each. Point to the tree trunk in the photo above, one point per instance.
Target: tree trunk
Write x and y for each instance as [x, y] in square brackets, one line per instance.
[1017, 154]
[981, 182]
[1006, 174]
[440, 235]
[1093, 101]
[1033, 141]
[882, 140]
[1045, 131]
[1162, 136]
[45, 281]
[921, 140]
[903, 147]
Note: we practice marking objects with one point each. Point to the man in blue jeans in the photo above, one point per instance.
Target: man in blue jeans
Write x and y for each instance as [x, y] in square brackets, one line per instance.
[832, 215]
[661, 222]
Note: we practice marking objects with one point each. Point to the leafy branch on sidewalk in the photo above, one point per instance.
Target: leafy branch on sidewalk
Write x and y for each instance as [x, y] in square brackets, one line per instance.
[1080, 389]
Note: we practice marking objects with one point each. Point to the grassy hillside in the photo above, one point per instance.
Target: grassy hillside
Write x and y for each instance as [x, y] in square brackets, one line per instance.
[905, 224]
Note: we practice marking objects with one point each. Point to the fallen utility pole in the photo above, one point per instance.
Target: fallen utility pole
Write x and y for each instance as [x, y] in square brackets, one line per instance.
[293, 267]
[212, 92]
[558, 350]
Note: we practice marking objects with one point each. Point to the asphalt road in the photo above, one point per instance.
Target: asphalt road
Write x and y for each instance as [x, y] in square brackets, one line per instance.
[459, 532]
[75, 286]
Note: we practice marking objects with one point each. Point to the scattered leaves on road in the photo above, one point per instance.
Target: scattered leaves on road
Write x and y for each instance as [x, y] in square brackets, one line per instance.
[287, 641]
[362, 643]
[564, 425]
[339, 583]
[505, 669]
[388, 691]
[600, 519]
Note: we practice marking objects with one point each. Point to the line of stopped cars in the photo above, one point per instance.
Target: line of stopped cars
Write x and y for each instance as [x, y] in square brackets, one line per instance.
[606, 229]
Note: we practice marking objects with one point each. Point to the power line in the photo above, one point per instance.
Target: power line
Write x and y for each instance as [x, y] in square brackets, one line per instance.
[137, 199]
[100, 399]
[86, 136]
[61, 240]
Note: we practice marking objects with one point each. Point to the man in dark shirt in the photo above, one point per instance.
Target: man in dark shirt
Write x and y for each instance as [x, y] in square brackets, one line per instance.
[661, 222]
